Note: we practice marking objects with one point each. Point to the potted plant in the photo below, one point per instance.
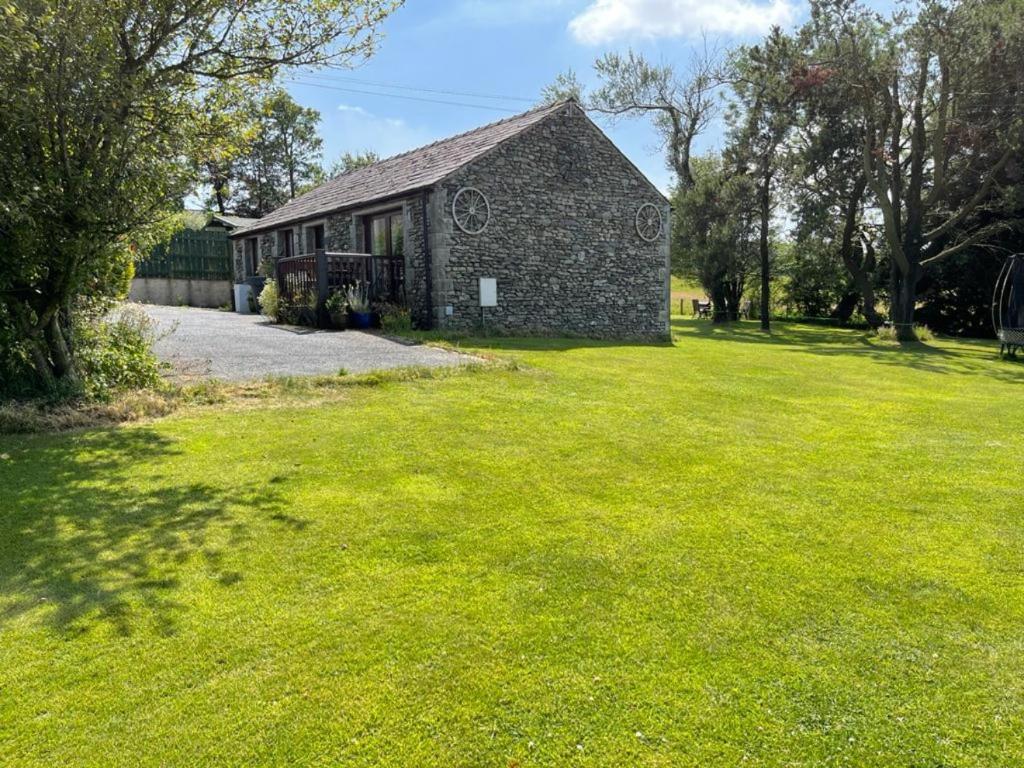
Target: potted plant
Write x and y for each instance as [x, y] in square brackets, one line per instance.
[335, 305]
[359, 313]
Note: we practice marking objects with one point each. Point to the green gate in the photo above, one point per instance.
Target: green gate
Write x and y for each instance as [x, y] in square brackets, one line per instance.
[192, 254]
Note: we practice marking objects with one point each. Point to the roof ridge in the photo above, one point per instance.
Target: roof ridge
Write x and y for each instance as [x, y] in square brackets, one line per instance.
[510, 118]
[405, 170]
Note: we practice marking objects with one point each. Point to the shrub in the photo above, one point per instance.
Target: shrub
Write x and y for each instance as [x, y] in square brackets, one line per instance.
[888, 333]
[395, 319]
[270, 301]
[16, 375]
[115, 353]
[336, 303]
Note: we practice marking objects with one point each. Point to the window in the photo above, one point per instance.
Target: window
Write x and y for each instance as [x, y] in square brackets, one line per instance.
[383, 235]
[252, 256]
[285, 245]
[314, 238]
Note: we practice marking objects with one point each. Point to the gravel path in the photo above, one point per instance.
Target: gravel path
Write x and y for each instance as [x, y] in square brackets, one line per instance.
[206, 343]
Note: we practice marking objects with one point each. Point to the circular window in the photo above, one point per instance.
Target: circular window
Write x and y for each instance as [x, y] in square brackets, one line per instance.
[471, 210]
[648, 222]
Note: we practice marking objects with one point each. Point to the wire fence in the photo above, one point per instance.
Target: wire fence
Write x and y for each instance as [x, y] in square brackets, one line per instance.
[190, 255]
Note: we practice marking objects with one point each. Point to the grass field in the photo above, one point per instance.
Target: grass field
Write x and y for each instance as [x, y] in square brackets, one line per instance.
[801, 550]
[685, 291]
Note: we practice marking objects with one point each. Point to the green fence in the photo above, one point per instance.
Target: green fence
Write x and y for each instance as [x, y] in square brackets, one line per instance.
[190, 255]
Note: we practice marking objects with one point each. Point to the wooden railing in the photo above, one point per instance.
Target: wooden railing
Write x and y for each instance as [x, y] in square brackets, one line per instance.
[322, 273]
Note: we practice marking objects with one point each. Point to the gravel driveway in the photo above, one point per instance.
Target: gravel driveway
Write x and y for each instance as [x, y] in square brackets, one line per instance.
[206, 343]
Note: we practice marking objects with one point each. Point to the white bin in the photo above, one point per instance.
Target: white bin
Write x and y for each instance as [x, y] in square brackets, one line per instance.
[242, 293]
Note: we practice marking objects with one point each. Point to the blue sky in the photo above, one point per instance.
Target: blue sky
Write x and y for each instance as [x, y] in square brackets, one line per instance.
[512, 49]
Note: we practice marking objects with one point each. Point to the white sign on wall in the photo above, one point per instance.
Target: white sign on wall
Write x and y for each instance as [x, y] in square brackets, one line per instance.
[488, 292]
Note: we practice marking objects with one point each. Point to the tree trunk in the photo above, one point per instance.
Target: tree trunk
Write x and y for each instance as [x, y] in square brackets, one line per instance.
[903, 304]
[47, 345]
[862, 281]
[861, 269]
[60, 353]
[734, 295]
[41, 362]
[844, 309]
[765, 260]
[719, 302]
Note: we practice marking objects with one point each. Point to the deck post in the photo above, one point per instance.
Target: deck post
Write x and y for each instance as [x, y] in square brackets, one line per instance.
[322, 288]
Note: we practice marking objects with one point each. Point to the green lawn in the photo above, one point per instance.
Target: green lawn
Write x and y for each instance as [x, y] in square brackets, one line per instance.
[806, 550]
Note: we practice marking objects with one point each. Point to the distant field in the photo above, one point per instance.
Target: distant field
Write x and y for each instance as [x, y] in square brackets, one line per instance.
[800, 549]
[685, 291]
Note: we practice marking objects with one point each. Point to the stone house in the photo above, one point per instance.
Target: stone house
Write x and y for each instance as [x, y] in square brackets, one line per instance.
[534, 224]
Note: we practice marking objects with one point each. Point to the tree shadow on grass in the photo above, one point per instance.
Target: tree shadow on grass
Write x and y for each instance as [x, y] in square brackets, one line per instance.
[966, 357]
[82, 543]
[537, 343]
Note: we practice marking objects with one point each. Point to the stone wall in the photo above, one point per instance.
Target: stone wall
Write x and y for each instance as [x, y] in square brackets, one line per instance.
[238, 253]
[173, 292]
[415, 248]
[561, 239]
[267, 245]
[338, 233]
[268, 251]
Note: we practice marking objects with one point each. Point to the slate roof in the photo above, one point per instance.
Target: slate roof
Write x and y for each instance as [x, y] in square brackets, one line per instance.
[400, 174]
[232, 221]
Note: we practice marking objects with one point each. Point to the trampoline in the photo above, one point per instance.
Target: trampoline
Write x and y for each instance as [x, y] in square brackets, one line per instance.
[1008, 307]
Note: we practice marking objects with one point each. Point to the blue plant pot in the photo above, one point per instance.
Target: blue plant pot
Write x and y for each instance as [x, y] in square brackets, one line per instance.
[361, 320]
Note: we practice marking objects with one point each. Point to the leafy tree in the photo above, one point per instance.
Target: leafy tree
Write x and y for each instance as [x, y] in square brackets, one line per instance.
[228, 125]
[816, 283]
[565, 86]
[682, 105]
[939, 95]
[100, 105]
[281, 157]
[955, 294]
[714, 234]
[825, 176]
[351, 161]
[295, 136]
[765, 84]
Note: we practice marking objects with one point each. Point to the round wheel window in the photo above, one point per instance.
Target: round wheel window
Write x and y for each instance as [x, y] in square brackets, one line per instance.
[471, 210]
[648, 222]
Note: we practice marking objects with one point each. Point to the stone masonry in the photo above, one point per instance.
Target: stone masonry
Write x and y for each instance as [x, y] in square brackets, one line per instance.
[561, 239]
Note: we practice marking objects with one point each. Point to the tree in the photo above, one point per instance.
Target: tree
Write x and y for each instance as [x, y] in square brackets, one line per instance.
[294, 131]
[825, 175]
[714, 233]
[99, 111]
[228, 125]
[282, 158]
[682, 106]
[765, 83]
[565, 86]
[351, 161]
[939, 96]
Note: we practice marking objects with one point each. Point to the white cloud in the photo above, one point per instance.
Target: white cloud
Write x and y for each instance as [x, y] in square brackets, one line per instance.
[607, 20]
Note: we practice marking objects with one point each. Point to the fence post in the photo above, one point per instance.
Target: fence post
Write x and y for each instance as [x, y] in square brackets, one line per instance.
[322, 288]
